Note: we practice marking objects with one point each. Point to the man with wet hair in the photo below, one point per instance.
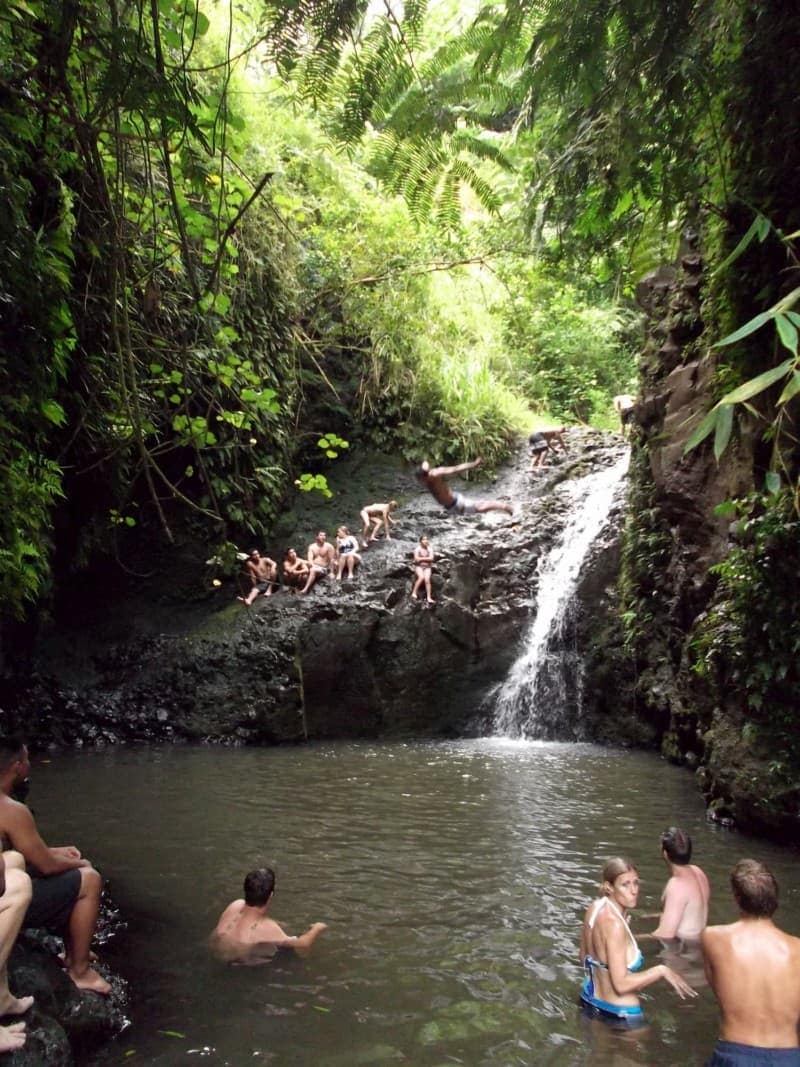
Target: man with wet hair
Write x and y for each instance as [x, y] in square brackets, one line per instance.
[65, 887]
[435, 481]
[684, 902]
[754, 969]
[244, 933]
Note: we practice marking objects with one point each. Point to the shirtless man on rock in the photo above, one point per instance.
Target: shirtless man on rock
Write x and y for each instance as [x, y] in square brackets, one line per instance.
[321, 558]
[245, 934]
[754, 969]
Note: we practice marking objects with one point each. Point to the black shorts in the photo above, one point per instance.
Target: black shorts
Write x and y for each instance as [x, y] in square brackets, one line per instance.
[52, 901]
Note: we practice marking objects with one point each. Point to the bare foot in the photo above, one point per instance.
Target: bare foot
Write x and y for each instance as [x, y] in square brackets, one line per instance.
[431, 601]
[243, 601]
[15, 1005]
[62, 958]
[12, 1037]
[268, 592]
[91, 980]
[414, 596]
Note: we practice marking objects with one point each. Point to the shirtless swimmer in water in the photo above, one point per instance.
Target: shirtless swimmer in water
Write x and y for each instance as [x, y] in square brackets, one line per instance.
[245, 934]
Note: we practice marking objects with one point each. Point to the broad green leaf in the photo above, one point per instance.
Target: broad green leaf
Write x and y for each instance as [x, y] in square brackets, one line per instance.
[722, 433]
[702, 431]
[762, 227]
[201, 24]
[787, 331]
[791, 389]
[742, 245]
[772, 481]
[746, 330]
[794, 317]
[53, 412]
[759, 384]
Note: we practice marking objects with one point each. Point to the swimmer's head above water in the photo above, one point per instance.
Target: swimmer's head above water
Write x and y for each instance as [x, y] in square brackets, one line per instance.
[678, 846]
[259, 885]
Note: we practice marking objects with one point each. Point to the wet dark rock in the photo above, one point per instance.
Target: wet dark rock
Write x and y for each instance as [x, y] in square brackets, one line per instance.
[352, 659]
[64, 1021]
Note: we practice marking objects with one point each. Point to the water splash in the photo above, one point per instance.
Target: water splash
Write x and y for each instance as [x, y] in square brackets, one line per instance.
[547, 678]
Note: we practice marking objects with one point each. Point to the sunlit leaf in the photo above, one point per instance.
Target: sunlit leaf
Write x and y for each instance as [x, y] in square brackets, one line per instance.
[759, 384]
[787, 331]
[772, 481]
[746, 330]
[722, 434]
[791, 389]
[702, 431]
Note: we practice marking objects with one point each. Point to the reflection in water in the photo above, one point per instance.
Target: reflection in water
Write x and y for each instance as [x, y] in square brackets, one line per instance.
[453, 878]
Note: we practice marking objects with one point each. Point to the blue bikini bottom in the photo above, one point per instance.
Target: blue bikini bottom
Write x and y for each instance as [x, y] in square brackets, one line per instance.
[622, 1012]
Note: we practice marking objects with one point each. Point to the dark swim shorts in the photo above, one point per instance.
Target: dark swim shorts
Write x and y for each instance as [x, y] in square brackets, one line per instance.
[732, 1054]
[52, 901]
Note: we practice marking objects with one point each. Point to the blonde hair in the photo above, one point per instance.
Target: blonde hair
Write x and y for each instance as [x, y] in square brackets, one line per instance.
[612, 869]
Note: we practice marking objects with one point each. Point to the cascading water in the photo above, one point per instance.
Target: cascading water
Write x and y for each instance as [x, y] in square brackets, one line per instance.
[546, 679]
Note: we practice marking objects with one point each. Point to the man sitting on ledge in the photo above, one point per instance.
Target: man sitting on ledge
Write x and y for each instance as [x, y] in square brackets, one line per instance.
[244, 934]
[66, 888]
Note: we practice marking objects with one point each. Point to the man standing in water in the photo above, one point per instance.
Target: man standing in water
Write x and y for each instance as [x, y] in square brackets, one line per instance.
[244, 933]
[66, 888]
[684, 902]
[754, 969]
[434, 480]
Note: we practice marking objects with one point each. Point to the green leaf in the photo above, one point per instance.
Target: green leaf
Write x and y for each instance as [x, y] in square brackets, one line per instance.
[772, 481]
[746, 330]
[172, 1033]
[742, 245]
[722, 433]
[791, 389]
[702, 431]
[787, 331]
[53, 412]
[759, 384]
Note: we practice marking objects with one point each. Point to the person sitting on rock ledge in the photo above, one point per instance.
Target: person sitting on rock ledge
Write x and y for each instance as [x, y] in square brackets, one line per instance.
[263, 573]
[434, 480]
[295, 570]
[347, 551]
[65, 887]
[244, 933]
[321, 559]
[15, 896]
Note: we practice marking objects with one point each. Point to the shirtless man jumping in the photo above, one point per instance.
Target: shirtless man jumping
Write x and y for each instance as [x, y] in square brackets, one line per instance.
[244, 934]
[379, 515]
[433, 478]
[754, 969]
[684, 902]
[321, 558]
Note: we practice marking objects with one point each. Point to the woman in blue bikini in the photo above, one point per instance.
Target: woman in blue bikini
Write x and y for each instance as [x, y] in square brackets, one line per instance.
[610, 956]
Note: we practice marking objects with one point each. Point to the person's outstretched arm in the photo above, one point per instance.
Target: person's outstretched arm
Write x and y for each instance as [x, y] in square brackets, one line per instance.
[445, 472]
[302, 944]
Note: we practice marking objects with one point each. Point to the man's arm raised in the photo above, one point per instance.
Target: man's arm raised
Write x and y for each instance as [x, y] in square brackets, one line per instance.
[445, 472]
[302, 944]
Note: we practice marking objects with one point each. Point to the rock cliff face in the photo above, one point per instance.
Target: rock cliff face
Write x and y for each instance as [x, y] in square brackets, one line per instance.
[673, 538]
[350, 659]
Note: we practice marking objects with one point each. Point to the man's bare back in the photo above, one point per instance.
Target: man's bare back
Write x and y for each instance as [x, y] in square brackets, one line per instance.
[754, 969]
[684, 904]
[246, 934]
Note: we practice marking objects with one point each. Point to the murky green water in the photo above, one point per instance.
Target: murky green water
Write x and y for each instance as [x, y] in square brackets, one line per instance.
[453, 877]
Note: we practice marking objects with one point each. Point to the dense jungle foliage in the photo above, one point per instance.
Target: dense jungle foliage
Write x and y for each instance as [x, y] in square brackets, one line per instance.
[235, 242]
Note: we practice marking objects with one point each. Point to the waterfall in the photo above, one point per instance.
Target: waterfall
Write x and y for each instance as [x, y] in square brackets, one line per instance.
[546, 679]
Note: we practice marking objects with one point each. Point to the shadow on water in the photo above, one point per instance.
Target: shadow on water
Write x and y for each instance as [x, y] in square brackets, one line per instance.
[453, 877]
